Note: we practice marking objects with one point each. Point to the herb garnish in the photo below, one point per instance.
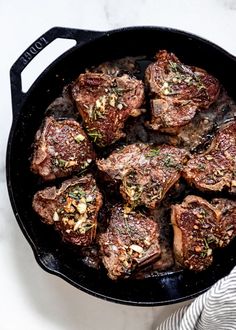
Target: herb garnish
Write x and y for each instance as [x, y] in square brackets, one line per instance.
[153, 153]
[211, 240]
[179, 67]
[170, 162]
[133, 191]
[203, 254]
[94, 134]
[59, 162]
[76, 192]
[183, 74]
[117, 90]
[73, 195]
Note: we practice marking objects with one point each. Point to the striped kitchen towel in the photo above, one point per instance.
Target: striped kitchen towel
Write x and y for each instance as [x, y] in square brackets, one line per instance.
[213, 310]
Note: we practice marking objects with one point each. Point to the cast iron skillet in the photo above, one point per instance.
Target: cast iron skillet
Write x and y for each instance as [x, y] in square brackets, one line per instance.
[28, 111]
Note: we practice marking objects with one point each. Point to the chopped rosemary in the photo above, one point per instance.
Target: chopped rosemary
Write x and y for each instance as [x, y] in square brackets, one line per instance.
[76, 192]
[180, 68]
[153, 153]
[170, 162]
[127, 227]
[206, 243]
[134, 192]
[211, 240]
[117, 90]
[61, 162]
[183, 74]
[203, 254]
[173, 66]
[94, 135]
[83, 169]
[72, 195]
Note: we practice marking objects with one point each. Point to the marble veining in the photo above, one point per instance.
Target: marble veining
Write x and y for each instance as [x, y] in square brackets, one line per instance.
[31, 299]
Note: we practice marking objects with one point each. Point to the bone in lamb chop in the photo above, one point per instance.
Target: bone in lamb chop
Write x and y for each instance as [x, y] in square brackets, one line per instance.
[199, 228]
[131, 241]
[177, 92]
[72, 209]
[105, 102]
[145, 172]
[215, 169]
[61, 147]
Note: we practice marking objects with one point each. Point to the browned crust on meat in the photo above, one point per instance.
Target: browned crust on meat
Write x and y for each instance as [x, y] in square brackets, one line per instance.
[200, 227]
[177, 91]
[105, 103]
[72, 209]
[194, 222]
[146, 173]
[131, 241]
[215, 169]
[60, 148]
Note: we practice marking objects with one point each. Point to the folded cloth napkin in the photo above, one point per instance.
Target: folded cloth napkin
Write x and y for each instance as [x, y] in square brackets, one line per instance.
[213, 310]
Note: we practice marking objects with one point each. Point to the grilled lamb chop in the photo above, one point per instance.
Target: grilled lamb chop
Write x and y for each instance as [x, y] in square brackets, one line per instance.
[215, 169]
[194, 222]
[199, 227]
[61, 148]
[131, 241]
[105, 103]
[146, 173]
[178, 91]
[72, 209]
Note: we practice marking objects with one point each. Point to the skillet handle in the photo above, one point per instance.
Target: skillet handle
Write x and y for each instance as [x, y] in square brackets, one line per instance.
[81, 36]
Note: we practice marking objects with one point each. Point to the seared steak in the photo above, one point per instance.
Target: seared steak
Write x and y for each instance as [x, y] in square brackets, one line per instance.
[199, 227]
[61, 148]
[146, 173]
[72, 209]
[177, 92]
[105, 103]
[215, 169]
[131, 241]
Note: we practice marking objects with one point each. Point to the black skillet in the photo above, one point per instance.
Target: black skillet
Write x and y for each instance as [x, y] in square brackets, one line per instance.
[28, 110]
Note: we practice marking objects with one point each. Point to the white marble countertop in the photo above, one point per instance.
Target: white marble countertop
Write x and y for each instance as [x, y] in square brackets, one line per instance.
[31, 299]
